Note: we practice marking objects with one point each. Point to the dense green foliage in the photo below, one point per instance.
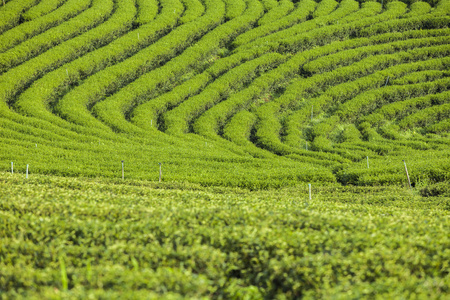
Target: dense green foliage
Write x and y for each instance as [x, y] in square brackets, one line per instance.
[75, 238]
[238, 93]
[238, 105]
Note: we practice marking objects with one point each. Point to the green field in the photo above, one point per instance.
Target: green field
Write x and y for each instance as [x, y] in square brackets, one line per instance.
[236, 106]
[79, 239]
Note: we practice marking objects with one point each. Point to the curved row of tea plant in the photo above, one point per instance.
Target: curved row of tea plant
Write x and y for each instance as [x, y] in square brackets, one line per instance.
[212, 87]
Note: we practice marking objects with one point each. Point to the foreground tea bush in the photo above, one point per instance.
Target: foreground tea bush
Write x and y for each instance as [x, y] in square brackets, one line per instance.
[98, 238]
[231, 93]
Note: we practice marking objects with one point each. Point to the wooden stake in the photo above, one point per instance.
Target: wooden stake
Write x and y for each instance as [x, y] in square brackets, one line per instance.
[123, 172]
[27, 173]
[309, 186]
[160, 172]
[407, 175]
[12, 168]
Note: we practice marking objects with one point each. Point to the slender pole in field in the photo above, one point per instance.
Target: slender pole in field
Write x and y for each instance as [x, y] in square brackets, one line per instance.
[27, 173]
[3, 2]
[160, 172]
[12, 168]
[309, 186]
[123, 172]
[407, 175]
[306, 144]
[367, 162]
[387, 80]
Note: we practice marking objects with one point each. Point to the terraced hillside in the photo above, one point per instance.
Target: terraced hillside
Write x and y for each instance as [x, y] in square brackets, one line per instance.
[246, 93]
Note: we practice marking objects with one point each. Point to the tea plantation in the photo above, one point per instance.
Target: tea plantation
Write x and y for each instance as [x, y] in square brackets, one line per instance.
[85, 238]
[165, 149]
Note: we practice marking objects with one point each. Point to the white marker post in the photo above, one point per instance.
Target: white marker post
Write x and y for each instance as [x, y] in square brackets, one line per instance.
[27, 173]
[12, 168]
[407, 175]
[123, 172]
[309, 186]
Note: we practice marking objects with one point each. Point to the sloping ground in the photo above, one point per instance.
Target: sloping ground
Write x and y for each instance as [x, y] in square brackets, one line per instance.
[253, 94]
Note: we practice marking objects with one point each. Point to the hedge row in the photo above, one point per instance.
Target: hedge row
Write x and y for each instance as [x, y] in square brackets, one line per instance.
[148, 114]
[53, 83]
[280, 11]
[213, 119]
[276, 39]
[427, 116]
[343, 30]
[177, 120]
[401, 109]
[11, 13]
[116, 108]
[234, 8]
[308, 55]
[417, 9]
[421, 76]
[27, 30]
[110, 79]
[147, 11]
[346, 57]
[193, 9]
[341, 92]
[40, 43]
[367, 102]
[13, 81]
[41, 9]
[238, 131]
[300, 14]
[35, 100]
